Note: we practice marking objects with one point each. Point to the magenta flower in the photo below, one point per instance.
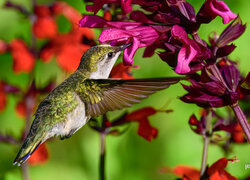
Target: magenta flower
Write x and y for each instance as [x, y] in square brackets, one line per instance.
[126, 32]
[213, 8]
[190, 50]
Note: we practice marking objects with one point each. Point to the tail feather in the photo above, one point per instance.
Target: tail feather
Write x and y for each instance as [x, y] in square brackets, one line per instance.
[28, 148]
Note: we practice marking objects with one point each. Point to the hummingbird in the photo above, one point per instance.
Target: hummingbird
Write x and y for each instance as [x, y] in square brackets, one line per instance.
[85, 94]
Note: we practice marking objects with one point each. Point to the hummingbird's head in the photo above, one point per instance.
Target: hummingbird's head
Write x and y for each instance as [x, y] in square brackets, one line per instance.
[100, 59]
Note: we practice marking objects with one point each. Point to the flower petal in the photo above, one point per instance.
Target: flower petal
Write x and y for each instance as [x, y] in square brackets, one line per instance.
[121, 72]
[187, 171]
[44, 27]
[146, 131]
[23, 60]
[232, 32]
[40, 156]
[221, 9]
[141, 114]
[188, 51]
[213, 8]
[217, 170]
[70, 55]
[185, 56]
[3, 100]
[129, 52]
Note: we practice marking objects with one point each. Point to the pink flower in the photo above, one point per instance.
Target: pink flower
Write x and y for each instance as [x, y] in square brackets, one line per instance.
[213, 8]
[188, 51]
[126, 32]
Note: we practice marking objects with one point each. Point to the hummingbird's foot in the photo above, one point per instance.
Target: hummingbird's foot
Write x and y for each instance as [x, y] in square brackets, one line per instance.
[72, 131]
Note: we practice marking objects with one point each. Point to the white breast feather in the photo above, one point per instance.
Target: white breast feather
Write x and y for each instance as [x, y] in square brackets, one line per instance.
[75, 120]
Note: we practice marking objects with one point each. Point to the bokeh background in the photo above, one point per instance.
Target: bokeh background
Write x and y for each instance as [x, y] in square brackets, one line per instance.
[129, 157]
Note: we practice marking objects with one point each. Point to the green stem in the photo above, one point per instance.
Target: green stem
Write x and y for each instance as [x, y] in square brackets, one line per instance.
[102, 156]
[25, 171]
[242, 120]
[206, 138]
[204, 156]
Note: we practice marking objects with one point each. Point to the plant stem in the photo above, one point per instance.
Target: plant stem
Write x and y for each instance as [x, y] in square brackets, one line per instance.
[25, 171]
[17, 7]
[204, 156]
[8, 139]
[206, 138]
[242, 120]
[102, 156]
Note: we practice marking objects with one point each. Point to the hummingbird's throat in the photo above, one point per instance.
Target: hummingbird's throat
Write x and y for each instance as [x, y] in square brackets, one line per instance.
[104, 67]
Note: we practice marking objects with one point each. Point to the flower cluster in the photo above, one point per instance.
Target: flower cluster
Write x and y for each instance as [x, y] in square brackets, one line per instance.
[170, 29]
[215, 172]
[167, 25]
[67, 48]
[47, 42]
[140, 116]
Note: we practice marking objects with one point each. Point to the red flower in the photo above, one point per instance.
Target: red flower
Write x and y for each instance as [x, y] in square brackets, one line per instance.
[141, 116]
[45, 26]
[23, 60]
[68, 48]
[121, 71]
[21, 109]
[107, 15]
[69, 12]
[215, 172]
[40, 156]
[3, 98]
[238, 134]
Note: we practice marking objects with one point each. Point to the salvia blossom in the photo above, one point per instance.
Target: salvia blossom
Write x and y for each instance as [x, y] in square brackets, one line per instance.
[40, 156]
[67, 47]
[179, 14]
[215, 172]
[208, 90]
[126, 32]
[141, 116]
[213, 8]
[120, 71]
[45, 25]
[23, 59]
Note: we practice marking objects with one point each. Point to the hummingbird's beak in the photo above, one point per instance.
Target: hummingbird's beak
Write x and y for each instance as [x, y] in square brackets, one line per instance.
[125, 46]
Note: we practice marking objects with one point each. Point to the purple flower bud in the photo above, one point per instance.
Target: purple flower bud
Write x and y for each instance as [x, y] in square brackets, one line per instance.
[210, 91]
[232, 32]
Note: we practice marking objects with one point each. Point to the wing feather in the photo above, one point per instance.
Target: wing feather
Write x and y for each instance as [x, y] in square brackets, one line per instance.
[116, 94]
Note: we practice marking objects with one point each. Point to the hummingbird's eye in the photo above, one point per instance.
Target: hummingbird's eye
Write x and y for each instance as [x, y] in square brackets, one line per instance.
[110, 54]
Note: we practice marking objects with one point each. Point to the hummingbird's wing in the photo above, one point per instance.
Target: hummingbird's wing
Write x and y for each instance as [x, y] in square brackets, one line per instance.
[104, 95]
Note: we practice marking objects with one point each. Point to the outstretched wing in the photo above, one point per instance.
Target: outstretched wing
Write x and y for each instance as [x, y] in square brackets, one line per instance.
[102, 95]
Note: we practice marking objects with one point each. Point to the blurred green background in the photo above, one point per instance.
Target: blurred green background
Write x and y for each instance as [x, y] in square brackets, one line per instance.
[129, 157]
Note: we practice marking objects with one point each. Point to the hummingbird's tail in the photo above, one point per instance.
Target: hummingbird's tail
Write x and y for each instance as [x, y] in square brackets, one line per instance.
[31, 143]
